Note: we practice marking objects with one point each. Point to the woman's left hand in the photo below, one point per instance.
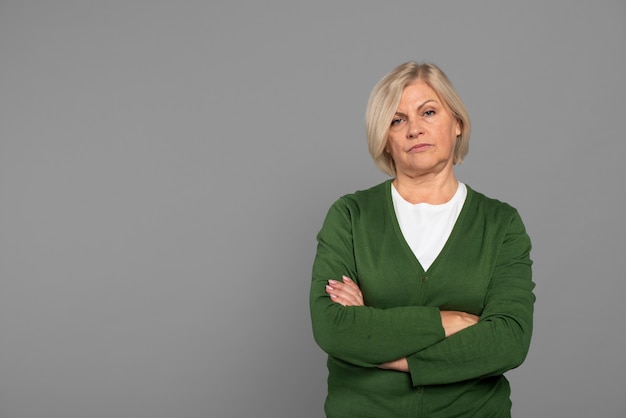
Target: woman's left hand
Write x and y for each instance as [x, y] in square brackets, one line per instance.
[346, 292]
[400, 365]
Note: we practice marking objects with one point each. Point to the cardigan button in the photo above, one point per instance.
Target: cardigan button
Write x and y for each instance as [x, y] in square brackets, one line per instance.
[425, 279]
[420, 389]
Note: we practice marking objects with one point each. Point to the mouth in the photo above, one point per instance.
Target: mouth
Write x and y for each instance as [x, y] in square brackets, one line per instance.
[419, 147]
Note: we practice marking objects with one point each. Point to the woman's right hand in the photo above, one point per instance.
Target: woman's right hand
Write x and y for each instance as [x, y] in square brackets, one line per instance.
[455, 321]
[346, 293]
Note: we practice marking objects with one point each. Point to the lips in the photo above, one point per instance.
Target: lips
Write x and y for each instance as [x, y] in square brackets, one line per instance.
[419, 147]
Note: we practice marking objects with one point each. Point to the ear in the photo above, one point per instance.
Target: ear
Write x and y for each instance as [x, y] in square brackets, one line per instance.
[458, 128]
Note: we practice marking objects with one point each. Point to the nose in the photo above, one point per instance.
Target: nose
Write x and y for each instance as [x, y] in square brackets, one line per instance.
[413, 129]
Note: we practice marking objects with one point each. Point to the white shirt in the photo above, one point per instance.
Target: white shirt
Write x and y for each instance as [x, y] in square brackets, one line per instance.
[426, 227]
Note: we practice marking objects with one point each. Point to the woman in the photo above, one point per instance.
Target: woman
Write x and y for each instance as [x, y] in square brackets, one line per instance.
[422, 292]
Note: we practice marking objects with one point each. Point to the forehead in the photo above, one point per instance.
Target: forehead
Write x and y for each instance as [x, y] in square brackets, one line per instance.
[417, 93]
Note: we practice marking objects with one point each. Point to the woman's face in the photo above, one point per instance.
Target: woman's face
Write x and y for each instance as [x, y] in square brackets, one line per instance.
[422, 134]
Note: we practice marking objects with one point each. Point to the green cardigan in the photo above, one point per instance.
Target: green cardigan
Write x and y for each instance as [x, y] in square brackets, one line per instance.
[484, 269]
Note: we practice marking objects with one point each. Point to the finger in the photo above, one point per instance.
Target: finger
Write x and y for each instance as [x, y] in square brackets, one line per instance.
[337, 298]
[345, 301]
[342, 297]
[347, 290]
[346, 285]
[356, 290]
[349, 282]
[351, 293]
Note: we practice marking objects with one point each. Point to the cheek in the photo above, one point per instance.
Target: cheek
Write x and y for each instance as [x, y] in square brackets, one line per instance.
[390, 145]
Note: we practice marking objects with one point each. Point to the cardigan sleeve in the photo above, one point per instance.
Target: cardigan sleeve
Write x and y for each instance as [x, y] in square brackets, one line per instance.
[501, 339]
[361, 335]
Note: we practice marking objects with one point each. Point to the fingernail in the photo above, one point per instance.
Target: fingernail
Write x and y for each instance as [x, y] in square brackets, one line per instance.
[329, 288]
[333, 282]
[346, 279]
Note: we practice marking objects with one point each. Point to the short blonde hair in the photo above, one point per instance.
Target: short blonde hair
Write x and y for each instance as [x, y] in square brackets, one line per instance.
[385, 98]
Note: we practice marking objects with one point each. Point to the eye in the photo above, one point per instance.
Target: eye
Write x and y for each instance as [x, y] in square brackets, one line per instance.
[396, 121]
[429, 113]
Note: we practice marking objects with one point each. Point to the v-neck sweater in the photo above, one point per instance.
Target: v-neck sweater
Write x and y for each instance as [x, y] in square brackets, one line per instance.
[484, 268]
[426, 227]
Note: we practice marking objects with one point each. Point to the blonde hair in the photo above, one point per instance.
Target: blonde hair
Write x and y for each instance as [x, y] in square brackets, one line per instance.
[383, 104]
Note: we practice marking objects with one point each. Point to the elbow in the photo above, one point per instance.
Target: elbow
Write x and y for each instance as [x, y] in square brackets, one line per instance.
[522, 351]
[519, 351]
[323, 338]
[324, 333]
[330, 331]
[518, 357]
[514, 341]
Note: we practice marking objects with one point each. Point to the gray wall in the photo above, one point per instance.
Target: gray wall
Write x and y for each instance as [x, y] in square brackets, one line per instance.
[165, 166]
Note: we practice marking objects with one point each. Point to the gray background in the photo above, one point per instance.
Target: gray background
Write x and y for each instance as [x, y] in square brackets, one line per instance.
[165, 166]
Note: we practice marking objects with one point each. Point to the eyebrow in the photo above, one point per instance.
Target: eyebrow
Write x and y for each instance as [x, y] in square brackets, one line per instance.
[418, 107]
[425, 103]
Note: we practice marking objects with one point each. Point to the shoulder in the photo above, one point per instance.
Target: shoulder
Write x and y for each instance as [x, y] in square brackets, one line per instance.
[372, 196]
[493, 211]
[373, 200]
[489, 204]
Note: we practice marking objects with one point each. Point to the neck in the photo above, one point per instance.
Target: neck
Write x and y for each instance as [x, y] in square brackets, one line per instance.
[434, 190]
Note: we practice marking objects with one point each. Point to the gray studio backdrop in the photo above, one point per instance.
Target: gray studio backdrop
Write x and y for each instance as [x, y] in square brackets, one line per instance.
[165, 166]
